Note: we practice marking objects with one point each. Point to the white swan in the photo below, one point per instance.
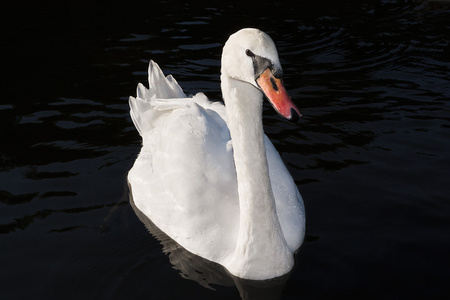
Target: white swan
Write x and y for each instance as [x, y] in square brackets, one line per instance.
[208, 176]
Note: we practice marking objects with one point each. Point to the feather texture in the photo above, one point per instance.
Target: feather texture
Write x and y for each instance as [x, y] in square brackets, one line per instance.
[186, 180]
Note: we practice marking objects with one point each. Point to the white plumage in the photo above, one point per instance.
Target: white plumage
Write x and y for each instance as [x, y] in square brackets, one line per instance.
[209, 177]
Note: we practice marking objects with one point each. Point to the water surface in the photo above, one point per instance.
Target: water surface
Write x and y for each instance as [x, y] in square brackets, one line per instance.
[370, 156]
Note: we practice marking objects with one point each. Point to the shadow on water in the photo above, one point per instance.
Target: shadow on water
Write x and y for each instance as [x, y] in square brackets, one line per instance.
[207, 273]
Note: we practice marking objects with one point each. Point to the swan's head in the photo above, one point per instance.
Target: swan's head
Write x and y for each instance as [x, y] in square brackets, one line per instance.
[250, 56]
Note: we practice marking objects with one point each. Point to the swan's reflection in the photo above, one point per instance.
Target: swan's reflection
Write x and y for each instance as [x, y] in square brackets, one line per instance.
[208, 273]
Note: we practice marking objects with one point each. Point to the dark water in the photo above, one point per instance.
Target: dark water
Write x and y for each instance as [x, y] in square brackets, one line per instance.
[371, 154]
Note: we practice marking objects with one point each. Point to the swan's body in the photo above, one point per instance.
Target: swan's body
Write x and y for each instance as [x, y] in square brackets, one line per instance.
[208, 176]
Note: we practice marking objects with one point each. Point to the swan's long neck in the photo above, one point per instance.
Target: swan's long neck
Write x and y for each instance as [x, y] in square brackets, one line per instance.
[261, 247]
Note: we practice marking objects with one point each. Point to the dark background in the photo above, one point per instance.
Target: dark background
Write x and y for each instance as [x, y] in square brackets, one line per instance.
[370, 156]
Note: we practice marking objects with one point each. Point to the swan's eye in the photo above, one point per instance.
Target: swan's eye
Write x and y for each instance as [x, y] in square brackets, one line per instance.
[249, 53]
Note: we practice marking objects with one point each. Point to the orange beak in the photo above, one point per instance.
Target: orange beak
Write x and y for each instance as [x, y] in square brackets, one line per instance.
[274, 90]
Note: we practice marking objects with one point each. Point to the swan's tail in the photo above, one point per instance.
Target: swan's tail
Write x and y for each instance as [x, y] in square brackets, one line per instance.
[149, 101]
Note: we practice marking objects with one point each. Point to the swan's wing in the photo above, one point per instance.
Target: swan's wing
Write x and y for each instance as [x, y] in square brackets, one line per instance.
[289, 202]
[184, 178]
[160, 87]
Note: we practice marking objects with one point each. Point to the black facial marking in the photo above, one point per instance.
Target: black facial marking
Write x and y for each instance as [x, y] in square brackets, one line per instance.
[277, 73]
[260, 64]
[249, 53]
